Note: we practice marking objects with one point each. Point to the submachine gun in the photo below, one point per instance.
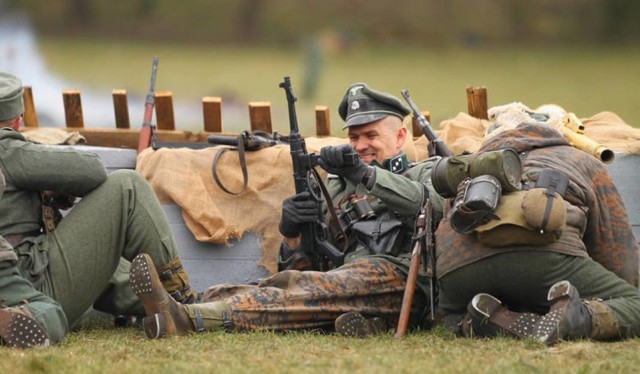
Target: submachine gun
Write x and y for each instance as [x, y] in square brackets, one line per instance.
[314, 236]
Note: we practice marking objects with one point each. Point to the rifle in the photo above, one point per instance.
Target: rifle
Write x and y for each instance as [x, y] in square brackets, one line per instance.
[573, 131]
[250, 141]
[422, 238]
[436, 145]
[314, 236]
[147, 133]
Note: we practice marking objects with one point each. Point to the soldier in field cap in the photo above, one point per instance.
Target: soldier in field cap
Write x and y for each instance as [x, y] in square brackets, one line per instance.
[11, 103]
[80, 260]
[357, 298]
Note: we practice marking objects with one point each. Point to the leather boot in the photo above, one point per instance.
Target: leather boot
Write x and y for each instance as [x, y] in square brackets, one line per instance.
[568, 317]
[176, 281]
[355, 325]
[487, 317]
[18, 329]
[165, 316]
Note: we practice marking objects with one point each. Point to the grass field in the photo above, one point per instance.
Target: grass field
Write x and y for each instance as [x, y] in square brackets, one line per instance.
[128, 351]
[585, 80]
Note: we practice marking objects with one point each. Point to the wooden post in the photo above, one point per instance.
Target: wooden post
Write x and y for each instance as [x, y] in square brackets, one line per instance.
[72, 108]
[417, 130]
[477, 102]
[121, 109]
[323, 124]
[260, 116]
[212, 113]
[30, 116]
[164, 111]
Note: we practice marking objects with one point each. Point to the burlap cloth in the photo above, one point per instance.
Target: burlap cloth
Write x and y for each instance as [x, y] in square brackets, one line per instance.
[184, 176]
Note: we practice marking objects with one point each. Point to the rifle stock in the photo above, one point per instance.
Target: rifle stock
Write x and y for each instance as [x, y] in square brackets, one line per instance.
[147, 129]
[423, 227]
[437, 146]
[314, 236]
[573, 131]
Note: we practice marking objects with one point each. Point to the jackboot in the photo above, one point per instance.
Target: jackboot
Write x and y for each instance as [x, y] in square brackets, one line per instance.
[355, 325]
[19, 329]
[567, 319]
[176, 281]
[165, 316]
[487, 317]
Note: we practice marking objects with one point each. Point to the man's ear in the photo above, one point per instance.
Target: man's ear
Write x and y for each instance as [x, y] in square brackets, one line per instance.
[16, 122]
[401, 137]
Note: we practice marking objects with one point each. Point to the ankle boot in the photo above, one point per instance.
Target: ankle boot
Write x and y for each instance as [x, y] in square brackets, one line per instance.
[165, 316]
[176, 281]
[19, 329]
[568, 317]
[487, 317]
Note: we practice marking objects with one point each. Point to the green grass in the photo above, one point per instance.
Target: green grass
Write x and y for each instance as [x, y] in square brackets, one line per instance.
[585, 80]
[127, 350]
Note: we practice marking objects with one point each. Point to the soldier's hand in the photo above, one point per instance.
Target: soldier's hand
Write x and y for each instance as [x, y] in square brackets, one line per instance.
[297, 210]
[332, 159]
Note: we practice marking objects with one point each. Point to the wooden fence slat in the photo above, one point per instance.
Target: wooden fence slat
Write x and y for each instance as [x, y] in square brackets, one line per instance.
[477, 102]
[72, 108]
[323, 122]
[164, 111]
[260, 116]
[30, 116]
[415, 126]
[121, 109]
[212, 113]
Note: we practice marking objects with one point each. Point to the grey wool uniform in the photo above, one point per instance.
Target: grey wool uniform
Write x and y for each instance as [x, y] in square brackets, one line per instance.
[83, 261]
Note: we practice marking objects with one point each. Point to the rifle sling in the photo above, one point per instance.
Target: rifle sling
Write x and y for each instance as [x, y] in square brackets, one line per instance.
[332, 210]
[243, 166]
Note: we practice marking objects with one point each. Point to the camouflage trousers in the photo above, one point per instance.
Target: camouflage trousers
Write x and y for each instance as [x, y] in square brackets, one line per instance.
[292, 299]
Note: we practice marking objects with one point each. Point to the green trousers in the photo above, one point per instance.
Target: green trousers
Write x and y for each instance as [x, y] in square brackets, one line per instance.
[521, 280]
[85, 261]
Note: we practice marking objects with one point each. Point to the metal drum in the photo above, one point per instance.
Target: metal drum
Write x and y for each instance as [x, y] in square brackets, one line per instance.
[625, 171]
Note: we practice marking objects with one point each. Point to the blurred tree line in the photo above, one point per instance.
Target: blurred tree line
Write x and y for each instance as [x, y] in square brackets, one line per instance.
[278, 22]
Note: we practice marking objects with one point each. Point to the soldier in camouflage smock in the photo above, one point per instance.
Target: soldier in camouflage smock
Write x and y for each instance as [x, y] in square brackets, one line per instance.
[82, 261]
[584, 285]
[362, 296]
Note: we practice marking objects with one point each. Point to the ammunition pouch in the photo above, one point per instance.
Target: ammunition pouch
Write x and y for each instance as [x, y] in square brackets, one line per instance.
[474, 205]
[504, 165]
[382, 236]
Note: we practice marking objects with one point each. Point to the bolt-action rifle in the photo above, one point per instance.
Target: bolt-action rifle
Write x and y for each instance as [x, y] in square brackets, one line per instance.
[436, 145]
[314, 236]
[147, 132]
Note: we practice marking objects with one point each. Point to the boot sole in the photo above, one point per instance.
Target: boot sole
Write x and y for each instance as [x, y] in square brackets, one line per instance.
[352, 324]
[20, 331]
[141, 278]
[548, 328]
[498, 319]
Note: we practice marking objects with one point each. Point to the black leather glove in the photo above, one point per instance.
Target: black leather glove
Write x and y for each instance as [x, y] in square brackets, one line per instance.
[296, 211]
[332, 160]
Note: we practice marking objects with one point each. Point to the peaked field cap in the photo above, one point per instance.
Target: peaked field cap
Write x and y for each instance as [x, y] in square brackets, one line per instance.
[361, 105]
[11, 104]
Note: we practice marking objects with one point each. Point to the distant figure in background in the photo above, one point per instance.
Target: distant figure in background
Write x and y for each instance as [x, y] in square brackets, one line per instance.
[73, 260]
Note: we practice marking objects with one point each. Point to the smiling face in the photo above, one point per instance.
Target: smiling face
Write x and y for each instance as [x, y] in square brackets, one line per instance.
[378, 140]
